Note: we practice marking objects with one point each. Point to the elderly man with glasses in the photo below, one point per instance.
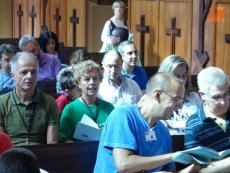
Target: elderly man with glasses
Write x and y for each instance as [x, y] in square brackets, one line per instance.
[210, 126]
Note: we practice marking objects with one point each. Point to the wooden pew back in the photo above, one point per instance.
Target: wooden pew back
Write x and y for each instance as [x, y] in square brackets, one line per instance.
[66, 157]
[78, 156]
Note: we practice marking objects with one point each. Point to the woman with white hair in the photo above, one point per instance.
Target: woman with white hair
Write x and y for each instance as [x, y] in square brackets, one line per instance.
[177, 66]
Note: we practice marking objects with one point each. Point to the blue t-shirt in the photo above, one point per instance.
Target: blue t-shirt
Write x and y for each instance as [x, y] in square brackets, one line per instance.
[139, 75]
[126, 128]
[7, 83]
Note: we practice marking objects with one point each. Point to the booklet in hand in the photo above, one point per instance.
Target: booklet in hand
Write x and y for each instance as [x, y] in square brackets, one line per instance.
[87, 130]
[202, 155]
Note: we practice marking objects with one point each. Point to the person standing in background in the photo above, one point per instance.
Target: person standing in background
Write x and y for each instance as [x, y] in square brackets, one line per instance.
[118, 20]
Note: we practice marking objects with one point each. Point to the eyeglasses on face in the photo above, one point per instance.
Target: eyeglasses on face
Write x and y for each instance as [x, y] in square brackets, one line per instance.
[178, 100]
[116, 66]
[219, 97]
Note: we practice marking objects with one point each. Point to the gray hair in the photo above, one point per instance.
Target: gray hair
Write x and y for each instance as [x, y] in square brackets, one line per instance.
[211, 76]
[20, 55]
[170, 63]
[123, 44]
[7, 48]
[26, 39]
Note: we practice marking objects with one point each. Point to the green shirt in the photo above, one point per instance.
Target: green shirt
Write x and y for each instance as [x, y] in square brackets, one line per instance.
[73, 113]
[17, 118]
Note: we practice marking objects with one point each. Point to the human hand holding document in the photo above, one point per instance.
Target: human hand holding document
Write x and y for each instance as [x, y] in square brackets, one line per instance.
[201, 155]
[87, 130]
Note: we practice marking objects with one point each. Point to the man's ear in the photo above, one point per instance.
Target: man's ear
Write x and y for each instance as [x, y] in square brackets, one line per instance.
[67, 91]
[202, 95]
[12, 75]
[118, 39]
[156, 95]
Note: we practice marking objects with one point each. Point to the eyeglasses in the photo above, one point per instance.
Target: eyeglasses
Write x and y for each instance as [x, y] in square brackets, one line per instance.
[116, 66]
[220, 97]
[178, 100]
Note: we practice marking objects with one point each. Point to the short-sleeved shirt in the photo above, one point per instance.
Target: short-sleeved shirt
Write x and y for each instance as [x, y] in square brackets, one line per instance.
[127, 93]
[39, 114]
[126, 128]
[73, 113]
[139, 75]
[62, 101]
[204, 131]
[49, 67]
[7, 83]
[5, 142]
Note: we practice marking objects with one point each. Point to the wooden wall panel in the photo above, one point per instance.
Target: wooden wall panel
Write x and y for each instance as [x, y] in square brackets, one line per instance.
[221, 49]
[6, 15]
[178, 9]
[158, 15]
[148, 8]
[66, 7]
[80, 5]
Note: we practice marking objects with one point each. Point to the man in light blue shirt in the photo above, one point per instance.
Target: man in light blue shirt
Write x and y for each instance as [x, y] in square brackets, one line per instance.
[7, 83]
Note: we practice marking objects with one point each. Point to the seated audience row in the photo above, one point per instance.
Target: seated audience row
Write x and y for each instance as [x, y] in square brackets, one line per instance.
[30, 117]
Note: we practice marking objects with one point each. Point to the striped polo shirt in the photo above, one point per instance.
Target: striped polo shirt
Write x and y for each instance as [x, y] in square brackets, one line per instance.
[204, 131]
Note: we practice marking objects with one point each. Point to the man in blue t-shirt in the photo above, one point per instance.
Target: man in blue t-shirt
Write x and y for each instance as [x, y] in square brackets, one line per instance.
[133, 139]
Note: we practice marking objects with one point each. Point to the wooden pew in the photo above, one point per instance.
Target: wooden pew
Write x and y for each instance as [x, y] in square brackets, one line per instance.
[96, 56]
[78, 156]
[66, 157]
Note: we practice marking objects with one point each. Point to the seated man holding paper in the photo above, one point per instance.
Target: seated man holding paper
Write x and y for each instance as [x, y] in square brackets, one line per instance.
[134, 139]
[88, 76]
[210, 127]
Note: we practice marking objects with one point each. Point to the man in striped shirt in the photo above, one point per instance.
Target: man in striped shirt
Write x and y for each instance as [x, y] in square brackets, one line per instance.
[210, 127]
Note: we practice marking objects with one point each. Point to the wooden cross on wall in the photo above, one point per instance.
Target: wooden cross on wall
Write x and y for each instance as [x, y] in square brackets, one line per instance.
[202, 55]
[20, 14]
[173, 32]
[74, 20]
[44, 27]
[57, 19]
[142, 28]
[33, 16]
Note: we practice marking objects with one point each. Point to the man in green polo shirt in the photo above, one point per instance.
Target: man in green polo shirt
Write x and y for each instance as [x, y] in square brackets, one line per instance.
[29, 117]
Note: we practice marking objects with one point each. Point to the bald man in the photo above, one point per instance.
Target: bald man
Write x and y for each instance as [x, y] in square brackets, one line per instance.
[114, 87]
